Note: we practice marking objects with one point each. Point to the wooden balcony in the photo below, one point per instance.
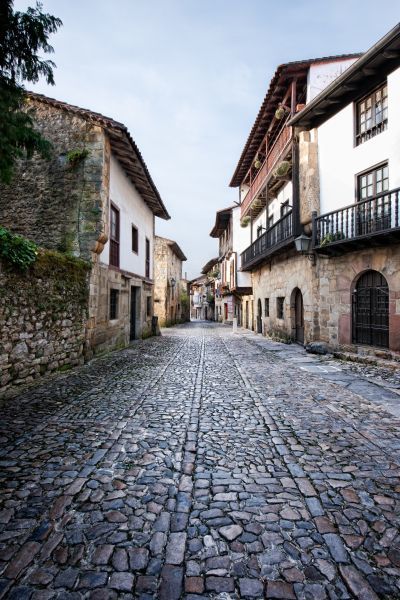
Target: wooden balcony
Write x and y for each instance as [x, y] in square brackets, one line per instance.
[270, 242]
[372, 222]
[277, 150]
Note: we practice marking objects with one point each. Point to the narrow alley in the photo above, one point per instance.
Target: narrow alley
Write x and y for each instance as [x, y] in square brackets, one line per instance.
[198, 465]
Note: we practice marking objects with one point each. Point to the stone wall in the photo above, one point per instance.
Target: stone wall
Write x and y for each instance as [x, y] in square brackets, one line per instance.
[167, 297]
[279, 279]
[338, 276]
[42, 318]
[55, 203]
[104, 334]
[308, 177]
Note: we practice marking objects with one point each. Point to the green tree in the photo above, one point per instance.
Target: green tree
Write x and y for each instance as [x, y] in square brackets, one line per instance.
[23, 35]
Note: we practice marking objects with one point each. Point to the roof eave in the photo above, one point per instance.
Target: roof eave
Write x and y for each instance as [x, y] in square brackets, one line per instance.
[244, 163]
[318, 110]
[124, 148]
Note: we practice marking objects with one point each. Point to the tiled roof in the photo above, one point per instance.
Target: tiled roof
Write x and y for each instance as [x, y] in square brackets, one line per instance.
[277, 88]
[124, 148]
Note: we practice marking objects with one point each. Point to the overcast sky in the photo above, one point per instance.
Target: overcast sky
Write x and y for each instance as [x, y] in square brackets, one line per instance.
[187, 77]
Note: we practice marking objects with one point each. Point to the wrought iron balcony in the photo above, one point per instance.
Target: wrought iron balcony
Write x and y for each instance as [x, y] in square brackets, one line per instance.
[272, 240]
[369, 222]
[277, 150]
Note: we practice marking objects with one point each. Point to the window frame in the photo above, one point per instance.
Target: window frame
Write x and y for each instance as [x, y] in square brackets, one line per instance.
[366, 172]
[284, 208]
[266, 307]
[113, 305]
[280, 307]
[114, 257]
[135, 250]
[147, 259]
[375, 128]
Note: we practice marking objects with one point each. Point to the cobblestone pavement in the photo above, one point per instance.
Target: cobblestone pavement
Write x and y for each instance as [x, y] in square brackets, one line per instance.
[198, 465]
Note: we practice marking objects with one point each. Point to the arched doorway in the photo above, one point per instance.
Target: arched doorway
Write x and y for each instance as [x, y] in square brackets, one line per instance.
[259, 316]
[370, 303]
[298, 316]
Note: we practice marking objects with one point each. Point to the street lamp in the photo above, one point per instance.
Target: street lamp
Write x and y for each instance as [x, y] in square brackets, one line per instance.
[303, 245]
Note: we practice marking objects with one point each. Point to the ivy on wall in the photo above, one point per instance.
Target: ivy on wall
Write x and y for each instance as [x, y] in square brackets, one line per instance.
[16, 250]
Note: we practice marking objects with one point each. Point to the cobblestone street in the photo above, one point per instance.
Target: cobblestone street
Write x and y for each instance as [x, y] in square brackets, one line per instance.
[198, 465]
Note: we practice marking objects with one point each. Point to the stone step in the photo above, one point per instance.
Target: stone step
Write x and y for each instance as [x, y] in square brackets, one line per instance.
[370, 359]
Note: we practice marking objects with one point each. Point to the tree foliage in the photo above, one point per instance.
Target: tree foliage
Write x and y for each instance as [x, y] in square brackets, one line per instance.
[23, 36]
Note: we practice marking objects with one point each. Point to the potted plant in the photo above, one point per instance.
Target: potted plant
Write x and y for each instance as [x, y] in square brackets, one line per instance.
[282, 169]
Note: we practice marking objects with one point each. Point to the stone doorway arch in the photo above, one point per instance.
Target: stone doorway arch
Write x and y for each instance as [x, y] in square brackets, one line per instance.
[370, 310]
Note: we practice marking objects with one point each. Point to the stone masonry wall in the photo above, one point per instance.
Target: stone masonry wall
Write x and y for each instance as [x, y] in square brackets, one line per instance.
[308, 177]
[42, 318]
[52, 202]
[167, 298]
[338, 277]
[280, 278]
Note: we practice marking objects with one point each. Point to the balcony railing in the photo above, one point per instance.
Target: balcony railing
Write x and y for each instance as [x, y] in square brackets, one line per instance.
[274, 238]
[358, 223]
[278, 148]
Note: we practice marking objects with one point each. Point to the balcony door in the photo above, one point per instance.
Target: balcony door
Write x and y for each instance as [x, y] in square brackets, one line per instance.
[371, 310]
[374, 210]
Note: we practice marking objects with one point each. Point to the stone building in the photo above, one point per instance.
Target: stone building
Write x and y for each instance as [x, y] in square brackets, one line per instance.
[284, 283]
[201, 306]
[233, 290]
[95, 199]
[168, 286]
[349, 147]
[212, 272]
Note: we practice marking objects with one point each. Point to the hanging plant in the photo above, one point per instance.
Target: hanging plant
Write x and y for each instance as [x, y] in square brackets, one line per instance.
[282, 169]
[245, 221]
[280, 113]
[257, 163]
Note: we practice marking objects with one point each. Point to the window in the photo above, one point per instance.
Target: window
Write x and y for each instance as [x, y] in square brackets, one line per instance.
[114, 304]
[114, 236]
[270, 221]
[374, 212]
[285, 208]
[372, 115]
[373, 182]
[148, 306]
[279, 307]
[147, 266]
[259, 230]
[266, 307]
[135, 239]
